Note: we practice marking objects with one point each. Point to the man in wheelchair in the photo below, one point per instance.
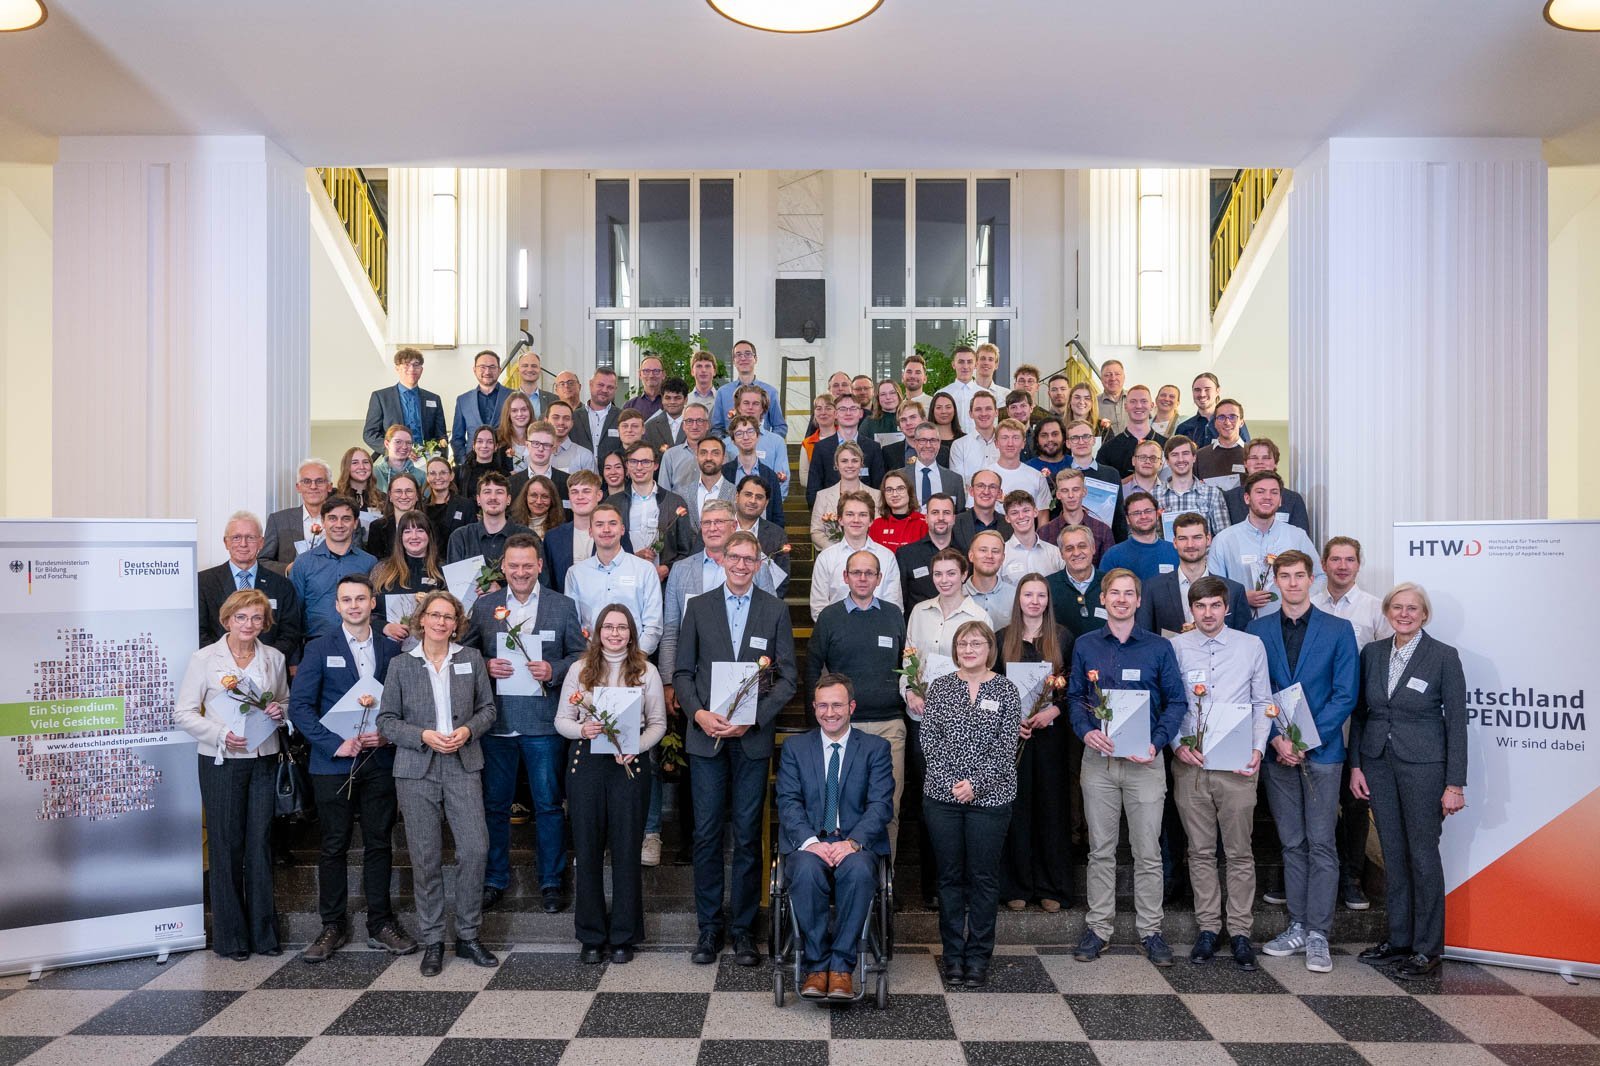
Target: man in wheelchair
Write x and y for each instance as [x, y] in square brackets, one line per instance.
[835, 799]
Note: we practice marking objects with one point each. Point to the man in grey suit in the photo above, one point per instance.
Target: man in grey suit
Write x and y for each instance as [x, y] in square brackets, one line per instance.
[734, 622]
[927, 476]
[529, 374]
[289, 528]
[680, 463]
[437, 703]
[750, 508]
[710, 485]
[594, 424]
[524, 735]
[479, 406]
[404, 405]
[665, 428]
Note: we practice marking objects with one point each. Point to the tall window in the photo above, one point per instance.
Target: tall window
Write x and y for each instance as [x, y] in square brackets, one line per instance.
[663, 254]
[941, 264]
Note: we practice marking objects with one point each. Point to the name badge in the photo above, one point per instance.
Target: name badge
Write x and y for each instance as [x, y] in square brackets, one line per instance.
[302, 546]
[921, 571]
[335, 661]
[989, 705]
[885, 642]
[456, 516]
[628, 581]
[1130, 675]
[1238, 468]
[761, 453]
[1166, 568]
[758, 643]
[547, 634]
[463, 668]
[432, 403]
[273, 604]
[612, 433]
[1247, 558]
[1416, 684]
[1100, 612]
[1197, 677]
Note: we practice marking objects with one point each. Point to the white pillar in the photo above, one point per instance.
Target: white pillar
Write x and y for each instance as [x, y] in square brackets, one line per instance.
[181, 328]
[1417, 336]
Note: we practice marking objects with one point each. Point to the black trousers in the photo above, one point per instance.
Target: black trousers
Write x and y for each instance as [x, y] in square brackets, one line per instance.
[371, 798]
[1355, 818]
[237, 797]
[967, 841]
[1407, 802]
[607, 810]
[913, 810]
[1038, 843]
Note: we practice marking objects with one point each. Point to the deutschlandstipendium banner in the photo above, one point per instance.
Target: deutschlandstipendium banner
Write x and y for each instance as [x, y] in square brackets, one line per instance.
[98, 789]
[1518, 600]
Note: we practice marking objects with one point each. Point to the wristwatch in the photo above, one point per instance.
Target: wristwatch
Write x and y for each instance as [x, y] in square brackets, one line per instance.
[853, 845]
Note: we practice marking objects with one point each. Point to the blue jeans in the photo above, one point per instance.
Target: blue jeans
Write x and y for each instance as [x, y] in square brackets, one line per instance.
[544, 757]
[709, 782]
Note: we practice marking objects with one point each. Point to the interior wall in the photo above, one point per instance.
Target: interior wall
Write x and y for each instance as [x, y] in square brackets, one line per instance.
[25, 332]
[1574, 485]
[345, 364]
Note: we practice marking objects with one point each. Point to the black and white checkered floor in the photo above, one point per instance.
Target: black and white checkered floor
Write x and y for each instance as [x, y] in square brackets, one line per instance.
[541, 1006]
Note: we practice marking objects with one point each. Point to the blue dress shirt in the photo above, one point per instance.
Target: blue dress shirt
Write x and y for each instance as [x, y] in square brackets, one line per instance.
[1157, 672]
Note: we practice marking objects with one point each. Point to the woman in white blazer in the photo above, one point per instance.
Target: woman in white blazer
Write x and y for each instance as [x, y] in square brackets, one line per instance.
[236, 780]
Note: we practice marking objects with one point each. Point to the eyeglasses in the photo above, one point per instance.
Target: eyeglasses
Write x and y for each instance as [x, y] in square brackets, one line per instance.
[862, 573]
[438, 617]
[973, 645]
[1225, 418]
[615, 627]
[739, 560]
[241, 538]
[313, 481]
[647, 461]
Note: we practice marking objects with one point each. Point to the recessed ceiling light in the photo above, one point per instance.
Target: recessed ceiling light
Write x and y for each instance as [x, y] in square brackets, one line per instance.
[1583, 15]
[21, 14]
[794, 16]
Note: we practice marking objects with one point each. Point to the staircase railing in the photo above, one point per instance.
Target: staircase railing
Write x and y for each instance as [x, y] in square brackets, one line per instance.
[353, 200]
[1249, 194]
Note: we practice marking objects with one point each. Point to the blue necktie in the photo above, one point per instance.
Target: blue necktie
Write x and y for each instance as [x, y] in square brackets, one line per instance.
[412, 412]
[244, 579]
[830, 803]
[927, 485]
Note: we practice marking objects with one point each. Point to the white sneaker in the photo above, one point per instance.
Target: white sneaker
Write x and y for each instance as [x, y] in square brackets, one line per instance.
[650, 853]
[1318, 958]
[1292, 941]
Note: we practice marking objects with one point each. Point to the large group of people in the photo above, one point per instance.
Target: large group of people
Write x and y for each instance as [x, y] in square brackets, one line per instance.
[1034, 619]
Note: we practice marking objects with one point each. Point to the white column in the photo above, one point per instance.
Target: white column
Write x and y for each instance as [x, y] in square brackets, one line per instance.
[801, 224]
[1417, 336]
[181, 330]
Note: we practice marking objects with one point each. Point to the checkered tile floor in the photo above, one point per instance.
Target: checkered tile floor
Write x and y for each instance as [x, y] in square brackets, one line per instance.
[543, 1007]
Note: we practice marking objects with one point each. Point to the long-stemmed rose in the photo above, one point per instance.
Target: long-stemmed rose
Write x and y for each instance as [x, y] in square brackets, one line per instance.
[1197, 741]
[832, 528]
[911, 670]
[514, 633]
[1296, 738]
[660, 543]
[750, 684]
[1053, 684]
[1266, 575]
[1102, 706]
[368, 703]
[607, 720]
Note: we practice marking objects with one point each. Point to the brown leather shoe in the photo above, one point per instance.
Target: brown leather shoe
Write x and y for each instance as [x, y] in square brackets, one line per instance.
[815, 986]
[840, 986]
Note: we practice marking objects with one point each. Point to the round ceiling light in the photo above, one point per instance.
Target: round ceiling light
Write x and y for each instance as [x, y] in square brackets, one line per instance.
[1582, 15]
[793, 16]
[21, 14]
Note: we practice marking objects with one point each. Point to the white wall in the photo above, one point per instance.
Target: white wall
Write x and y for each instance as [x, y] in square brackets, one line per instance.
[345, 363]
[1574, 340]
[1253, 359]
[25, 352]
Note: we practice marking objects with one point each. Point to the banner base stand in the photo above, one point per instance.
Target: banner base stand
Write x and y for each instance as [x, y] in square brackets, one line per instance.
[36, 968]
[1568, 971]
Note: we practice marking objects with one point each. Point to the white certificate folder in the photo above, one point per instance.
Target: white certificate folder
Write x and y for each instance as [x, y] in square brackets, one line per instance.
[726, 678]
[626, 705]
[1294, 710]
[1129, 728]
[1230, 736]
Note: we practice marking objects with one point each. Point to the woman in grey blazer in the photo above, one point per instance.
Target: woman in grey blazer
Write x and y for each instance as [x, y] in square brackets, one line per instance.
[437, 702]
[1408, 756]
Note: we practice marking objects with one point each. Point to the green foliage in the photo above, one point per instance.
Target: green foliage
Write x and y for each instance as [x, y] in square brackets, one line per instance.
[940, 370]
[675, 351]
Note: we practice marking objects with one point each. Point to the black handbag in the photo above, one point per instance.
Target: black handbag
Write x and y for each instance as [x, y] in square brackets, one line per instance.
[291, 787]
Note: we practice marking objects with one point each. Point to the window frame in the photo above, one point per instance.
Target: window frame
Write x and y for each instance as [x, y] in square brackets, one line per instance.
[909, 313]
[634, 314]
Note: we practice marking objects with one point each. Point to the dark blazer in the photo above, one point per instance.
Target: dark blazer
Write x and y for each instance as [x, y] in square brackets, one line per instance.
[288, 624]
[1161, 607]
[558, 615]
[407, 709]
[966, 528]
[558, 555]
[285, 528]
[1080, 618]
[821, 473]
[1414, 727]
[466, 421]
[946, 481]
[894, 455]
[318, 686]
[866, 791]
[676, 533]
[384, 410]
[1117, 452]
[731, 474]
[1293, 503]
[1329, 672]
[704, 639]
[658, 433]
[468, 472]
[609, 440]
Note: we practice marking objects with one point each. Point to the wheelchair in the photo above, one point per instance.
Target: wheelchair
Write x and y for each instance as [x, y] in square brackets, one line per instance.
[874, 947]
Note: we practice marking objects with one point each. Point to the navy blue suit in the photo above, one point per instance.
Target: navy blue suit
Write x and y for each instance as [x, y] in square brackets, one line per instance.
[558, 556]
[865, 806]
[730, 471]
[384, 409]
[1160, 606]
[318, 686]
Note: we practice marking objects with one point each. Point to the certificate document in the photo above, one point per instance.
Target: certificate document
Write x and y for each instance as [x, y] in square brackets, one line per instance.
[520, 683]
[462, 580]
[1100, 498]
[1293, 710]
[726, 679]
[627, 706]
[1230, 736]
[347, 717]
[1029, 679]
[1129, 728]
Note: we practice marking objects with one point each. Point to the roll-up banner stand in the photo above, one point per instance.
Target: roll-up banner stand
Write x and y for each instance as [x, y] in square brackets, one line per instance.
[98, 790]
[1520, 601]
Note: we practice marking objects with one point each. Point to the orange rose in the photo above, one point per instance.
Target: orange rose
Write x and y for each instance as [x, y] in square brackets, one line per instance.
[1094, 677]
[502, 613]
[368, 701]
[230, 682]
[1272, 710]
[577, 698]
[682, 511]
[316, 529]
[1199, 690]
[763, 662]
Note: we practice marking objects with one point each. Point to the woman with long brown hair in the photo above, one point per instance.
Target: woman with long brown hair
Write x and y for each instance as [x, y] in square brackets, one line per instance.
[607, 795]
[1035, 864]
[355, 480]
[538, 506]
[404, 494]
[412, 567]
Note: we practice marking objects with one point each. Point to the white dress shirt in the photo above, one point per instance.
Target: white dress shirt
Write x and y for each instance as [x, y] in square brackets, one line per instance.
[827, 575]
[439, 679]
[361, 653]
[972, 453]
[962, 393]
[1029, 479]
[644, 516]
[931, 633]
[1043, 558]
[827, 754]
[1361, 609]
[627, 580]
[571, 457]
